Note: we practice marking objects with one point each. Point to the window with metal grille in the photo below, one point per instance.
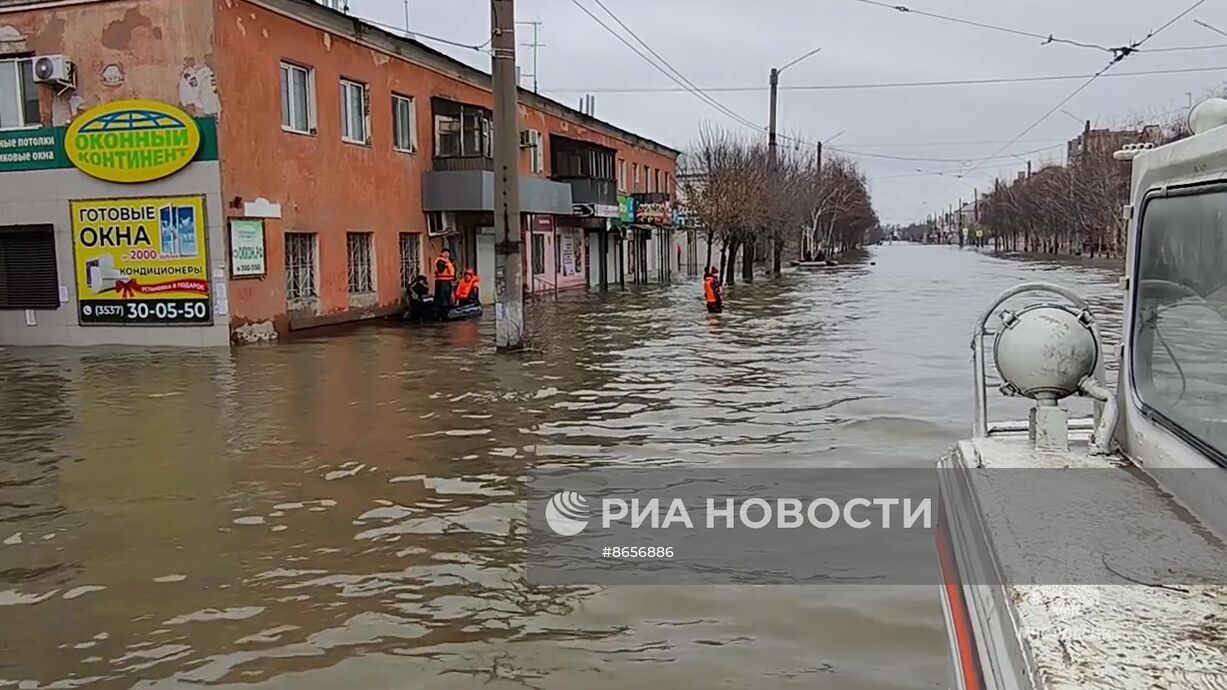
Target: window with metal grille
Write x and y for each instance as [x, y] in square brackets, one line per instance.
[27, 268]
[18, 95]
[300, 265]
[410, 257]
[358, 252]
[538, 253]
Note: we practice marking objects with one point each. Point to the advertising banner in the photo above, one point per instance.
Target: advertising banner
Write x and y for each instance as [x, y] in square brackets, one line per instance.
[141, 262]
[247, 248]
[132, 141]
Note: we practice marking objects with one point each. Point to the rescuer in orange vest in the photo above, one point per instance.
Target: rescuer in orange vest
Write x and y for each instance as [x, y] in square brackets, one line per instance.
[466, 291]
[445, 274]
[711, 291]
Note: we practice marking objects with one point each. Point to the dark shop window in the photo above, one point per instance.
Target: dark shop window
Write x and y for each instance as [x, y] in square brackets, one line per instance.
[27, 268]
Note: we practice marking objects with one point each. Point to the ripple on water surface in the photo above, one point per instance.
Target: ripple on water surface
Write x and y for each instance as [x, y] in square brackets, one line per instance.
[345, 511]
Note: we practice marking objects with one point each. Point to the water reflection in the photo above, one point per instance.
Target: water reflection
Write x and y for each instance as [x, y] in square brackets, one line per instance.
[346, 511]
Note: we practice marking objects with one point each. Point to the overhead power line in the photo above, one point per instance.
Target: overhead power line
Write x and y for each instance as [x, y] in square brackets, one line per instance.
[421, 36]
[892, 85]
[1116, 51]
[1115, 59]
[667, 69]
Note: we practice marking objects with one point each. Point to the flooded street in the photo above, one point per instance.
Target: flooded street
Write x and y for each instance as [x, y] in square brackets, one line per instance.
[346, 511]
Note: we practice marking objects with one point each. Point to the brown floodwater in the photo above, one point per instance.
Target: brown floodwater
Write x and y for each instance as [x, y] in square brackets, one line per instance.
[346, 511]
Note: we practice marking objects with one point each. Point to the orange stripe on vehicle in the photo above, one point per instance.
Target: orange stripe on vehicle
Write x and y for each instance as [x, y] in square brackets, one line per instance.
[964, 636]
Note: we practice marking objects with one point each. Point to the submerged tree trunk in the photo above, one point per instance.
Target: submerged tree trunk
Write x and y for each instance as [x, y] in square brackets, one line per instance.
[747, 262]
[777, 260]
[727, 275]
[707, 261]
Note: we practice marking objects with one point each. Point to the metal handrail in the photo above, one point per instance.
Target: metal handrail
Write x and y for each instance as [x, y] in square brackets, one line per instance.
[980, 427]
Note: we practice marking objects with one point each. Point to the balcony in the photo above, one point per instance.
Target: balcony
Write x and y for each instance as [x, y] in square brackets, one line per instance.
[462, 164]
[586, 190]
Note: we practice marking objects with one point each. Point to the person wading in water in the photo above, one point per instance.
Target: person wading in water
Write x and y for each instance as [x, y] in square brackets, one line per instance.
[711, 291]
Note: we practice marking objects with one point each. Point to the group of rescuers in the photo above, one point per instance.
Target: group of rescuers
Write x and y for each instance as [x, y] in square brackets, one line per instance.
[448, 292]
[466, 291]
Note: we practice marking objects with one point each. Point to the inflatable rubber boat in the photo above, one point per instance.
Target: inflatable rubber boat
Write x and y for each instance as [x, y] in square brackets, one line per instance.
[425, 311]
[812, 264]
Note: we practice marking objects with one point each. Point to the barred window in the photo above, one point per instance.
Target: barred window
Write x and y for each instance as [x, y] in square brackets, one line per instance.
[358, 251]
[300, 265]
[410, 257]
[27, 268]
[538, 253]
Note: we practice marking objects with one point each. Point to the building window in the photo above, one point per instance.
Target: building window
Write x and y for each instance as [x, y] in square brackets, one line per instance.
[635, 168]
[538, 253]
[27, 268]
[537, 149]
[358, 258]
[410, 257]
[462, 130]
[656, 178]
[622, 175]
[18, 95]
[404, 124]
[668, 188]
[355, 112]
[300, 265]
[297, 99]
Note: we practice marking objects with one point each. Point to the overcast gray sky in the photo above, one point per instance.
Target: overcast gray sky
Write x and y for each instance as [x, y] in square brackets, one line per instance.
[734, 43]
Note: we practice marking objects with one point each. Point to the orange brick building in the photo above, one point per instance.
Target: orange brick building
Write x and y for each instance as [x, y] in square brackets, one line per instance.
[361, 154]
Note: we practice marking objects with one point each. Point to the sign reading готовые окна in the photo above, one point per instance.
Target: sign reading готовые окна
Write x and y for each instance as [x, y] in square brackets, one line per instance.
[141, 261]
[132, 141]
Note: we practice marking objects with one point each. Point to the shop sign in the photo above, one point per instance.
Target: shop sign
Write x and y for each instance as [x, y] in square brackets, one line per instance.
[543, 223]
[626, 209]
[31, 149]
[657, 213]
[606, 211]
[141, 262]
[247, 248]
[132, 141]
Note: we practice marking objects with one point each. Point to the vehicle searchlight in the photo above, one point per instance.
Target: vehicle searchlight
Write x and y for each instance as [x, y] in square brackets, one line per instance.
[1046, 352]
[1208, 115]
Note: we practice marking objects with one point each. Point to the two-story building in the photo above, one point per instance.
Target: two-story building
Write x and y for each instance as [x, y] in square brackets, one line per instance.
[211, 171]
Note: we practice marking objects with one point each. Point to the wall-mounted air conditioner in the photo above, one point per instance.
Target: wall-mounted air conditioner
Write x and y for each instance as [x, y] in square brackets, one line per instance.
[55, 70]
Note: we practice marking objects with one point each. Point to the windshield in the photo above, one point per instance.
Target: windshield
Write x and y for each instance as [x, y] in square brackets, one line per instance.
[1180, 316]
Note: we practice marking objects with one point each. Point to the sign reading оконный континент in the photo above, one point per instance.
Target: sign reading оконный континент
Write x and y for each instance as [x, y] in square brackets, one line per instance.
[132, 141]
[141, 261]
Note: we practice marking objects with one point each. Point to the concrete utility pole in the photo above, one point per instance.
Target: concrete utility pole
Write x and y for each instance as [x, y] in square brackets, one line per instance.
[508, 269]
[775, 85]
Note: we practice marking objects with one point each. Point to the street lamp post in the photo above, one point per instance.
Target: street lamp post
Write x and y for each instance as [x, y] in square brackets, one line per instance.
[775, 83]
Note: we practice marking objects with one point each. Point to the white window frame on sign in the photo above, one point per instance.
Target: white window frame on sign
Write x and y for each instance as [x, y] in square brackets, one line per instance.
[355, 130]
[291, 120]
[537, 159]
[404, 124]
[18, 95]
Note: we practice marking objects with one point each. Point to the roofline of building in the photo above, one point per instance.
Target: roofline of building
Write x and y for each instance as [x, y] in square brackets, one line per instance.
[363, 32]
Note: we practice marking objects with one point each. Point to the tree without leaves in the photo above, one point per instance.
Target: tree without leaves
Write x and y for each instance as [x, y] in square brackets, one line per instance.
[735, 193]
